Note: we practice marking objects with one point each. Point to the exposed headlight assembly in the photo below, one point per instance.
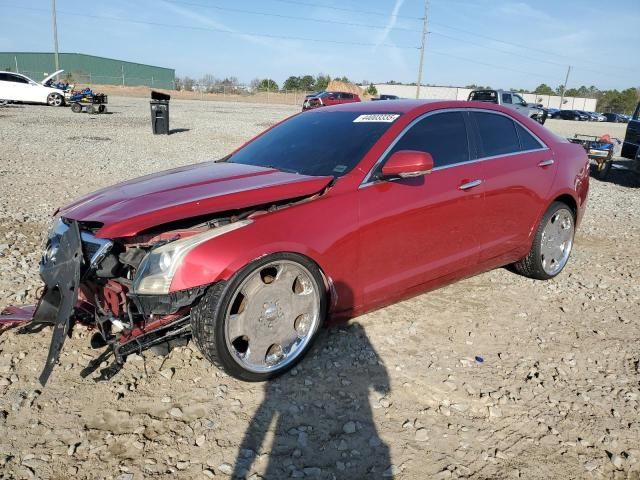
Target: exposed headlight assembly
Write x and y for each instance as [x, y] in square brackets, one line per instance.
[156, 271]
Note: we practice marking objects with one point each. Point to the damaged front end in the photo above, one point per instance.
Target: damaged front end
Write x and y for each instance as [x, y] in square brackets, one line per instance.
[120, 288]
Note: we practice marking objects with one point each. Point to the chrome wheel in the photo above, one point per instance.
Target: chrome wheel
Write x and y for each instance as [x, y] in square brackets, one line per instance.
[273, 315]
[54, 99]
[557, 240]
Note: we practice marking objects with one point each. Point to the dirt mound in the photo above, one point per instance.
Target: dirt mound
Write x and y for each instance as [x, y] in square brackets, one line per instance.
[336, 86]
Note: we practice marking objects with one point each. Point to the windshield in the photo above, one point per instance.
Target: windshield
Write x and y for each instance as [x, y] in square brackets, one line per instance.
[318, 143]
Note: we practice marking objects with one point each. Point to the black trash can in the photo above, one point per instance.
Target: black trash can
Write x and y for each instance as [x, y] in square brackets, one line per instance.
[160, 113]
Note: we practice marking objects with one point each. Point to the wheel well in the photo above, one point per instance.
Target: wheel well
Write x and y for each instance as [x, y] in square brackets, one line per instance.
[569, 201]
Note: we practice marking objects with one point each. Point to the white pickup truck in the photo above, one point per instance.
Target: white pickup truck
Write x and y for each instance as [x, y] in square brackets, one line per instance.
[511, 100]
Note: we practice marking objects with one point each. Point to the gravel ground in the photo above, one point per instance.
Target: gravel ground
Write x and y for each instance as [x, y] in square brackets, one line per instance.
[496, 376]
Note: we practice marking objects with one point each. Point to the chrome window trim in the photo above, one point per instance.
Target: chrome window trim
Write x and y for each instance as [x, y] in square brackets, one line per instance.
[368, 181]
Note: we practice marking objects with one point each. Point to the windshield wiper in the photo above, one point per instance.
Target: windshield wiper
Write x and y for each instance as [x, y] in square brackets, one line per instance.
[282, 169]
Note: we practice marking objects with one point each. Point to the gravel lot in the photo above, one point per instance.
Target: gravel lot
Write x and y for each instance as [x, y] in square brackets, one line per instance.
[397, 393]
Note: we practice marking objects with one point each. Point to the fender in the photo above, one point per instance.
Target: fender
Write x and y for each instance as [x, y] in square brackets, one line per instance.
[297, 229]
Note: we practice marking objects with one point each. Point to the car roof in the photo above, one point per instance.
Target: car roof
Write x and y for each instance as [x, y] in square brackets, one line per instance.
[411, 106]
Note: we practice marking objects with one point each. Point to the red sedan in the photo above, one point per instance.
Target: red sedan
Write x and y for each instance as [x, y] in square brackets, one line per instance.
[252, 253]
[327, 99]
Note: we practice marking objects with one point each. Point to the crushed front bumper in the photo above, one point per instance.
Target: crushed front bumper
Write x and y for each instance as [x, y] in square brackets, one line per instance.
[60, 272]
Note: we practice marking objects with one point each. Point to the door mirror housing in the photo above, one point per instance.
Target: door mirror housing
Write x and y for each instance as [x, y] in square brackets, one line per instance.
[408, 163]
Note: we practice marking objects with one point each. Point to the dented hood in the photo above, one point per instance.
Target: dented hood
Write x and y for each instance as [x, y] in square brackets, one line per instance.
[128, 208]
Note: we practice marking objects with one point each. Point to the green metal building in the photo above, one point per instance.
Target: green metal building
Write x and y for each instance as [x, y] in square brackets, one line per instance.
[88, 69]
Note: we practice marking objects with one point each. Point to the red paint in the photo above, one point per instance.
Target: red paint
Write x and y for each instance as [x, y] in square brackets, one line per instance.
[376, 244]
[16, 315]
[134, 206]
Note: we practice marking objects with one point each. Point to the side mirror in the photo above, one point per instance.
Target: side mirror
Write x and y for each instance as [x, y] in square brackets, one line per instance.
[408, 163]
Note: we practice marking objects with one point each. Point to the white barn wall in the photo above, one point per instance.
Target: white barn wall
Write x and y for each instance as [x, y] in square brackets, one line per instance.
[458, 93]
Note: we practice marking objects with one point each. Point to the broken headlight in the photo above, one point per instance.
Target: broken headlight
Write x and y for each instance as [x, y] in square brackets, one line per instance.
[156, 271]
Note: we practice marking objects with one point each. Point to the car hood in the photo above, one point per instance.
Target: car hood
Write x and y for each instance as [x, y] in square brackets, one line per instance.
[46, 79]
[129, 208]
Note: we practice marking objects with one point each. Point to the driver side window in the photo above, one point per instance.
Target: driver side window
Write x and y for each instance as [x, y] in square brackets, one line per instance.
[443, 135]
[506, 98]
[518, 99]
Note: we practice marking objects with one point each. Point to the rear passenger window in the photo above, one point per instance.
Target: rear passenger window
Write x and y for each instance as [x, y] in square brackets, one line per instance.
[497, 134]
[527, 141]
[443, 135]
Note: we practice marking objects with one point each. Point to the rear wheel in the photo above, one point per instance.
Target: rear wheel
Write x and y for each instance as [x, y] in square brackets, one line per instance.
[262, 321]
[92, 109]
[55, 100]
[552, 244]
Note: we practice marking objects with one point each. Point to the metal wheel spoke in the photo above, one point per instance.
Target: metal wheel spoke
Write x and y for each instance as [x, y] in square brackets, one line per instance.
[258, 347]
[253, 285]
[237, 326]
[302, 303]
[286, 275]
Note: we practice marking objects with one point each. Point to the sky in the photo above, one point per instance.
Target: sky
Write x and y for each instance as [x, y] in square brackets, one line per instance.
[502, 43]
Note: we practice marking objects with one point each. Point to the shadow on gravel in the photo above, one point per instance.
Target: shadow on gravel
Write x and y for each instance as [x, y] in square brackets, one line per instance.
[621, 174]
[317, 422]
[178, 130]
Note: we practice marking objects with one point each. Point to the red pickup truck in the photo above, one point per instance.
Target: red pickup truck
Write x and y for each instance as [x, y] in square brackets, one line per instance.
[324, 99]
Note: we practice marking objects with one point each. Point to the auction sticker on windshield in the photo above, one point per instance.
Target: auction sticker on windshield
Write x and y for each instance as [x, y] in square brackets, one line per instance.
[377, 117]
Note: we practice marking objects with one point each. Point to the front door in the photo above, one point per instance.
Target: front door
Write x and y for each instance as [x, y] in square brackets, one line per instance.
[415, 230]
[21, 89]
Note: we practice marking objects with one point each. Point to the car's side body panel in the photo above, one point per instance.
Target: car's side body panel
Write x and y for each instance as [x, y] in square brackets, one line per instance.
[380, 241]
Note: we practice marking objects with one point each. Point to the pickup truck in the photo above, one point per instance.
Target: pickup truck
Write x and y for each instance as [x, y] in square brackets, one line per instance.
[510, 100]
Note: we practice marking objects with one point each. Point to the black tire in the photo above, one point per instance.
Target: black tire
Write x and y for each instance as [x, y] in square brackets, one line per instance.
[76, 108]
[602, 171]
[209, 314]
[102, 109]
[531, 265]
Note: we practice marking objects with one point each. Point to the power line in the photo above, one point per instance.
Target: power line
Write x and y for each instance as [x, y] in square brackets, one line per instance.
[218, 30]
[290, 17]
[343, 9]
[466, 59]
[508, 52]
[518, 45]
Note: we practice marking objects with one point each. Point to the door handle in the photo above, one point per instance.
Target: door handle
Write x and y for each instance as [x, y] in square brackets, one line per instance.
[468, 185]
[545, 163]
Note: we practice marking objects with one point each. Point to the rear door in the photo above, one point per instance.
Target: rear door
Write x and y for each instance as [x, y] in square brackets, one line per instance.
[519, 171]
[415, 230]
[632, 137]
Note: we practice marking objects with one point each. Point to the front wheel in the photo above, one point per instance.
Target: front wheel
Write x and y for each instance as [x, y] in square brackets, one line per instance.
[262, 321]
[552, 244]
[55, 100]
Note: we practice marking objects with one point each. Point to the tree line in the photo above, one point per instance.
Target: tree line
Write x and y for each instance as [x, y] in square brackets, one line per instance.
[305, 83]
[621, 101]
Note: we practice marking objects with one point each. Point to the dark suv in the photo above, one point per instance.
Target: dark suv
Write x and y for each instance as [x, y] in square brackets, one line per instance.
[631, 146]
[324, 99]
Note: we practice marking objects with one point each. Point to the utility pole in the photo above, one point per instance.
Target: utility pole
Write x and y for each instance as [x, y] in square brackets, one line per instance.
[564, 88]
[424, 41]
[55, 35]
